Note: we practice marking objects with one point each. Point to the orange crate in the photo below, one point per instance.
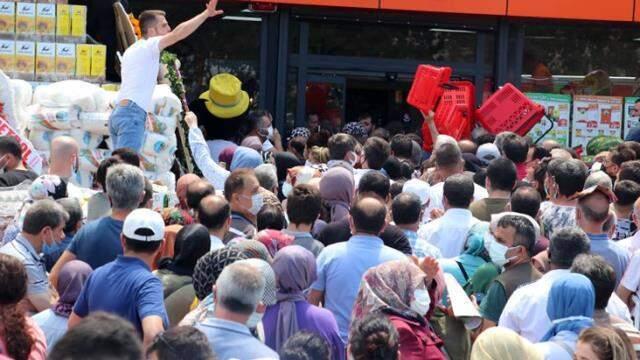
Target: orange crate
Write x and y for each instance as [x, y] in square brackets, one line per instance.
[427, 86]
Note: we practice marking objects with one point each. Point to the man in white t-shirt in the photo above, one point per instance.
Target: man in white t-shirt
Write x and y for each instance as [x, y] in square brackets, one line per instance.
[140, 66]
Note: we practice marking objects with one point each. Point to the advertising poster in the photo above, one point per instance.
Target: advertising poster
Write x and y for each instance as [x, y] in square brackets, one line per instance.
[593, 116]
[631, 114]
[557, 108]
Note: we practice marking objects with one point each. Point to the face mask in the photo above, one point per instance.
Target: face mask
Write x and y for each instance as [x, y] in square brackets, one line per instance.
[256, 204]
[497, 252]
[270, 132]
[353, 158]
[254, 320]
[286, 189]
[421, 301]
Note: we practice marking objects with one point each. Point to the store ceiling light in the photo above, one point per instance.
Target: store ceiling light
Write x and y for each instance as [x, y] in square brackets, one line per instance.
[459, 31]
[242, 18]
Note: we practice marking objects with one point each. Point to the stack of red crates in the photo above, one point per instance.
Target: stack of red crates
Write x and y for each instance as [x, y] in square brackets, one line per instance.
[508, 109]
[453, 102]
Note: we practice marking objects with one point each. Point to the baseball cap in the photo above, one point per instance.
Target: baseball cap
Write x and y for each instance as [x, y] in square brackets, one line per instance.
[419, 188]
[487, 152]
[143, 225]
[596, 188]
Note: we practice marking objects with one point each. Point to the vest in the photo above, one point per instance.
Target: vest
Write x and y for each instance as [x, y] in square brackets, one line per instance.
[514, 277]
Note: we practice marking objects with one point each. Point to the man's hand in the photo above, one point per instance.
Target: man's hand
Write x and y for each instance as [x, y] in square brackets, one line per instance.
[211, 9]
[191, 120]
[430, 267]
[428, 117]
[436, 213]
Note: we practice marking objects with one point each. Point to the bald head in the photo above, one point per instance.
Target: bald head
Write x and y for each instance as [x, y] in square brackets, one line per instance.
[593, 208]
[550, 145]
[467, 146]
[181, 187]
[196, 191]
[214, 212]
[368, 216]
[64, 156]
[561, 154]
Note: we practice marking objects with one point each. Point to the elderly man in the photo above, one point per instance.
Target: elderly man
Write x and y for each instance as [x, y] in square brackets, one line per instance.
[238, 293]
[181, 188]
[98, 242]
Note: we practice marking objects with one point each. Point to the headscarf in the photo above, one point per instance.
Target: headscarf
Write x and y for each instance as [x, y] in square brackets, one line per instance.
[475, 239]
[252, 142]
[176, 216]
[390, 287]
[295, 269]
[499, 343]
[285, 161]
[269, 295]
[252, 249]
[355, 129]
[209, 267]
[300, 132]
[226, 155]
[274, 240]
[245, 157]
[72, 277]
[571, 303]
[191, 243]
[48, 187]
[336, 189]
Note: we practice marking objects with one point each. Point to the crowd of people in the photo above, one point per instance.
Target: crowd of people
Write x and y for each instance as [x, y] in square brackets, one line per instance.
[331, 243]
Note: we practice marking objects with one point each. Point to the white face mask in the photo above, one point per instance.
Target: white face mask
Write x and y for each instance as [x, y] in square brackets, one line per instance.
[254, 320]
[421, 301]
[497, 251]
[270, 132]
[286, 189]
[256, 204]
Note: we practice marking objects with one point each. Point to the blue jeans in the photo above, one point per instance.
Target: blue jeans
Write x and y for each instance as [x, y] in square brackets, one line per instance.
[126, 125]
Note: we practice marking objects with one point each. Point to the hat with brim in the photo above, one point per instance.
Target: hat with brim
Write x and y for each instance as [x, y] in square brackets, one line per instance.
[225, 98]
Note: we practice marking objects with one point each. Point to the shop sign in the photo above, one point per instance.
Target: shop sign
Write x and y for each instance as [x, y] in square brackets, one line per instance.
[631, 114]
[557, 109]
[593, 116]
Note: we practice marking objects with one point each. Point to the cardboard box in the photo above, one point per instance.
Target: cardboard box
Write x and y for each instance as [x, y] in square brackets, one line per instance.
[45, 61]
[25, 59]
[46, 20]
[98, 61]
[83, 61]
[63, 20]
[7, 56]
[78, 20]
[65, 61]
[7, 17]
[25, 18]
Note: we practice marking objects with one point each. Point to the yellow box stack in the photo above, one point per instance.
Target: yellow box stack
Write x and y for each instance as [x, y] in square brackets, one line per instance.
[46, 21]
[7, 18]
[8, 56]
[25, 19]
[65, 61]
[25, 59]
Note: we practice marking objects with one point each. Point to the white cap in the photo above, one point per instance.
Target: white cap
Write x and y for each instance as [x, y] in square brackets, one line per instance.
[487, 152]
[419, 188]
[143, 225]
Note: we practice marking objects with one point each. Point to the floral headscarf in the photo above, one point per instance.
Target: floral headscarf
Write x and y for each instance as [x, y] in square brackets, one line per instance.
[175, 216]
[390, 287]
[274, 240]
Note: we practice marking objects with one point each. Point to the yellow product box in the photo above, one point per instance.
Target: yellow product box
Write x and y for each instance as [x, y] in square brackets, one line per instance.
[45, 60]
[65, 60]
[7, 17]
[7, 56]
[98, 61]
[78, 20]
[46, 19]
[63, 20]
[25, 18]
[25, 59]
[83, 61]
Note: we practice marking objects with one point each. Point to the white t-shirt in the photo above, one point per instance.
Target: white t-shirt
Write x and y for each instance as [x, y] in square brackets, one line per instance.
[140, 66]
[436, 195]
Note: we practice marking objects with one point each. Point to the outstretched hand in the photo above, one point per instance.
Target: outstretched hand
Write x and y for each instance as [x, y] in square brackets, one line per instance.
[428, 117]
[212, 8]
[191, 120]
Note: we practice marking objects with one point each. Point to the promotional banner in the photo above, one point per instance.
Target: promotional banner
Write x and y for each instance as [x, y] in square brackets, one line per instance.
[593, 116]
[557, 109]
[631, 114]
[29, 154]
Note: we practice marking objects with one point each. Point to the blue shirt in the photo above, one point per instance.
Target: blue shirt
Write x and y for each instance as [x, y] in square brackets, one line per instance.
[614, 254]
[21, 248]
[53, 252]
[232, 340]
[340, 270]
[53, 326]
[98, 242]
[125, 287]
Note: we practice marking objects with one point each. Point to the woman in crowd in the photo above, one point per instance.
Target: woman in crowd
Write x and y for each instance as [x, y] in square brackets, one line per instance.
[305, 345]
[499, 343]
[295, 269]
[603, 343]
[374, 338]
[20, 337]
[283, 162]
[336, 190]
[401, 291]
[53, 322]
[192, 242]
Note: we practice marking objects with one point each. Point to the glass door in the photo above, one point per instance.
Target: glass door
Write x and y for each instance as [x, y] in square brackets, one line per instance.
[324, 96]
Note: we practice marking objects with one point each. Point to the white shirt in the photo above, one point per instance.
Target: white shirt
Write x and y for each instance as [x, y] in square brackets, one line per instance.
[436, 194]
[140, 66]
[448, 233]
[216, 243]
[213, 172]
[526, 309]
[631, 243]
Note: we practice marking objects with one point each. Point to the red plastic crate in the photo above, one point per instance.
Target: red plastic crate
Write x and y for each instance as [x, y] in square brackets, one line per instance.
[508, 109]
[454, 113]
[427, 86]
